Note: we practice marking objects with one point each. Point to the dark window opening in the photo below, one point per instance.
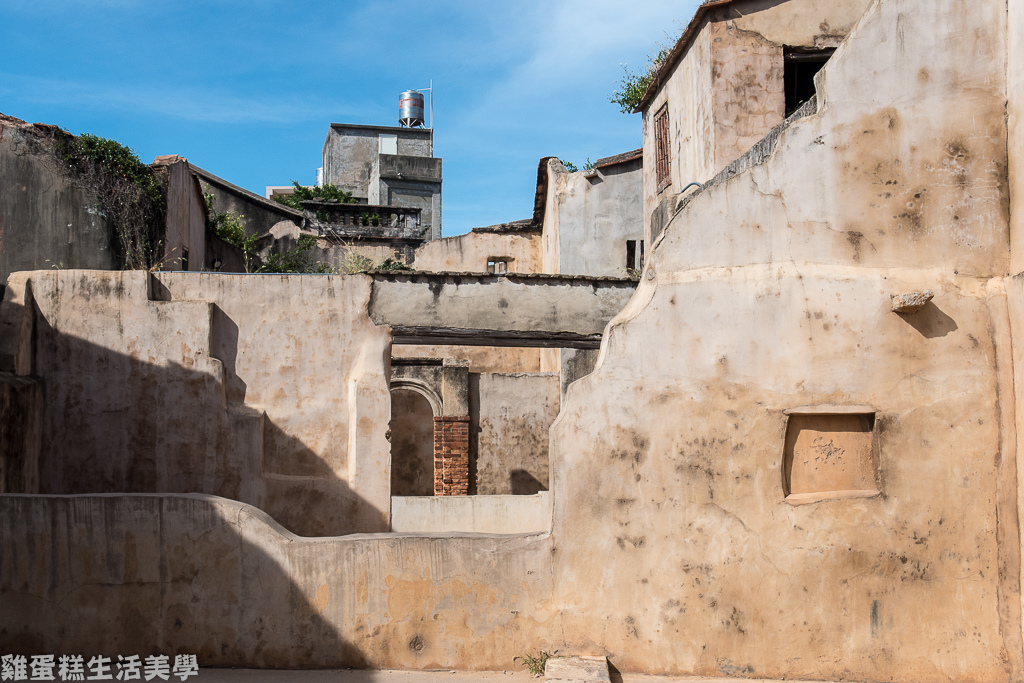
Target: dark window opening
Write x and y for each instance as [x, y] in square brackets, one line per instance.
[801, 68]
[634, 258]
[184, 258]
[498, 264]
[662, 163]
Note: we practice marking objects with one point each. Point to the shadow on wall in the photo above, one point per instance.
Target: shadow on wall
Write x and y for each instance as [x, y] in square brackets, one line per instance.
[114, 423]
[179, 574]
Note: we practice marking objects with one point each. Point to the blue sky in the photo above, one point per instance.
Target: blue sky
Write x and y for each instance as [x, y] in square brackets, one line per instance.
[247, 89]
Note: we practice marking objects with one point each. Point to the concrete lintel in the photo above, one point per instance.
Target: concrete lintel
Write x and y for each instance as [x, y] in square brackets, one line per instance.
[481, 309]
[412, 335]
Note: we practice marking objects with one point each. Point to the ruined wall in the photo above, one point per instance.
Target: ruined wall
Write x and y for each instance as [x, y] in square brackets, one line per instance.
[214, 577]
[481, 358]
[748, 95]
[596, 213]
[45, 219]
[510, 415]
[1015, 138]
[726, 92]
[770, 292]
[21, 410]
[687, 92]
[471, 251]
[177, 383]
[186, 220]
[259, 215]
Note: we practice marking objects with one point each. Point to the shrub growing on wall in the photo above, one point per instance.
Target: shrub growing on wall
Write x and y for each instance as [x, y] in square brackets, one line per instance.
[129, 193]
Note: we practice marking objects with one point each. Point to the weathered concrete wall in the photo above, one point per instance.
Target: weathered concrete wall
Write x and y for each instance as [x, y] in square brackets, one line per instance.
[186, 220]
[771, 290]
[180, 384]
[45, 219]
[259, 214]
[510, 424]
[747, 85]
[687, 93]
[21, 411]
[204, 575]
[1015, 133]
[470, 252]
[350, 153]
[472, 514]
[592, 215]
[516, 302]
[726, 92]
[481, 358]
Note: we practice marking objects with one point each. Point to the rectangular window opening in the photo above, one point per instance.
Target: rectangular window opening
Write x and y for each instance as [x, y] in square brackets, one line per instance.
[184, 258]
[498, 264]
[662, 163]
[801, 66]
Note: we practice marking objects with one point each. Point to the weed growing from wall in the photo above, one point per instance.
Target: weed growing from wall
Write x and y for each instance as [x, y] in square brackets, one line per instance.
[130, 194]
[228, 227]
[633, 85]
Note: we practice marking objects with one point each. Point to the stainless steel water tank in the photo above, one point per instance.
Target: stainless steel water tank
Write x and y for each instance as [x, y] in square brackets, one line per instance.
[410, 109]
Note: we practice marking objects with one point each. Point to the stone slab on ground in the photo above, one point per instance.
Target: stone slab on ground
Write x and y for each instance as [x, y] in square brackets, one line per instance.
[577, 670]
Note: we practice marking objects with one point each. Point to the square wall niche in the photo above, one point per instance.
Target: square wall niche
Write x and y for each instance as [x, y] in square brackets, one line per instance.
[829, 454]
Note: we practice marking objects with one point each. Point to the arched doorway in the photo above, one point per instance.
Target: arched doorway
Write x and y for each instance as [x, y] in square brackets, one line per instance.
[412, 441]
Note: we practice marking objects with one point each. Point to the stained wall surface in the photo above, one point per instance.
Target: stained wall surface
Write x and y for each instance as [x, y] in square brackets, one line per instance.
[589, 218]
[178, 383]
[726, 92]
[46, 220]
[510, 426]
[186, 220]
[770, 291]
[470, 252]
[673, 548]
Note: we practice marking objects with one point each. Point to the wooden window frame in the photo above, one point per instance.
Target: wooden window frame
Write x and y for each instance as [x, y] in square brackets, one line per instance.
[662, 160]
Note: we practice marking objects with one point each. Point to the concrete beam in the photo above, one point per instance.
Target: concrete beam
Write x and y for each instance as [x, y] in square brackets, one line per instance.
[481, 309]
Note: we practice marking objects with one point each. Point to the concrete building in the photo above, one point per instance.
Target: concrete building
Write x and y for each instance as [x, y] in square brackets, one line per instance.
[387, 166]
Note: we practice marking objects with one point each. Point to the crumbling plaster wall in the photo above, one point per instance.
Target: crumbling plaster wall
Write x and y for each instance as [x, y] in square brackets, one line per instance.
[186, 220]
[726, 92]
[259, 215]
[470, 252]
[222, 580]
[510, 418]
[481, 358]
[771, 290]
[46, 220]
[1015, 138]
[178, 383]
[596, 214]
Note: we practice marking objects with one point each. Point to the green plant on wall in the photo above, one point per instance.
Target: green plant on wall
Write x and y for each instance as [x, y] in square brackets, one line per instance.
[130, 194]
[322, 193]
[228, 227]
[569, 166]
[631, 88]
[297, 259]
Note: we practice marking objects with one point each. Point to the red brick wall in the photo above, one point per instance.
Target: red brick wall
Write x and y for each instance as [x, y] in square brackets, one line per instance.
[451, 456]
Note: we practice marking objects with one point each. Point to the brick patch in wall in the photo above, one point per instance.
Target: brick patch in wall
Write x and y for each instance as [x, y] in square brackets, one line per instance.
[451, 455]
